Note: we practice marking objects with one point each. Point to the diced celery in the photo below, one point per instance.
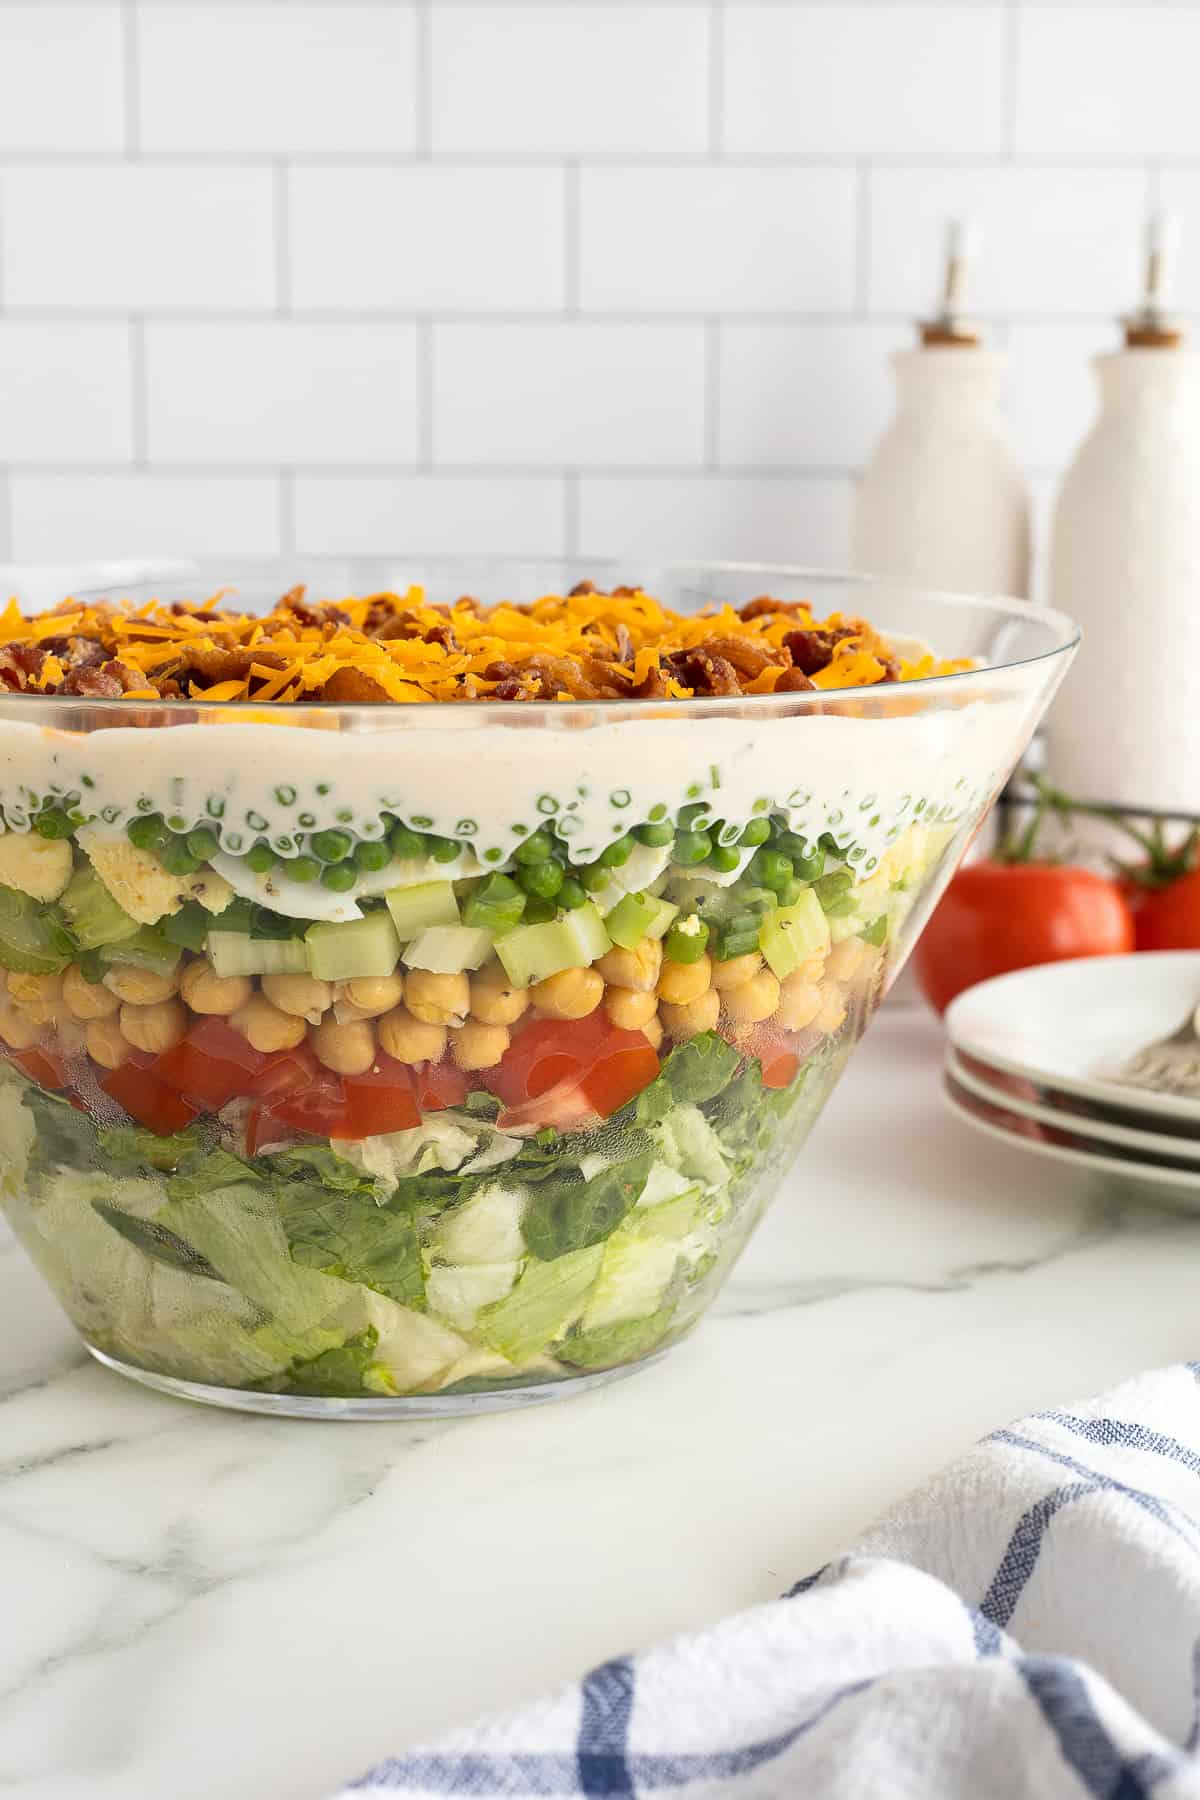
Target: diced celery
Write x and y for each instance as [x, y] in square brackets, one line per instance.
[415, 908]
[534, 952]
[237, 953]
[92, 913]
[627, 923]
[664, 916]
[362, 947]
[791, 934]
[31, 940]
[146, 949]
[449, 949]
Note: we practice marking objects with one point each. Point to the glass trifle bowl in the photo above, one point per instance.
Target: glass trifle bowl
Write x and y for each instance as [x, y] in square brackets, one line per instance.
[367, 1059]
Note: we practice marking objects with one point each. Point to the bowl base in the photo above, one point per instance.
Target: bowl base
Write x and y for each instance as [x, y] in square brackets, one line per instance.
[381, 1409]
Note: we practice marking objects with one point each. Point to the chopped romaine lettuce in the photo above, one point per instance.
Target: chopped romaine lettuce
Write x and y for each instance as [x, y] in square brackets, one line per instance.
[545, 1302]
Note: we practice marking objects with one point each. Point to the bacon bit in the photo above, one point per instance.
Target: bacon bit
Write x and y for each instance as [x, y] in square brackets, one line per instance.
[399, 648]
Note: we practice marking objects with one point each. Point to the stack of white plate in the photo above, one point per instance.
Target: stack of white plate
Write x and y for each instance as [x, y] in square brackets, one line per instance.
[1033, 1058]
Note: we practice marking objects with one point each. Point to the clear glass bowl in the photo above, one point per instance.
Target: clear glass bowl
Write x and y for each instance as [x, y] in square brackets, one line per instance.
[502, 1194]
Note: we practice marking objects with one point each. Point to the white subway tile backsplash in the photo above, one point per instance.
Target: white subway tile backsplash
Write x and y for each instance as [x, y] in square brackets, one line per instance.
[1108, 80]
[62, 517]
[1052, 387]
[517, 275]
[718, 239]
[828, 79]
[137, 236]
[428, 237]
[764, 518]
[65, 393]
[429, 515]
[61, 77]
[281, 392]
[1051, 239]
[314, 76]
[570, 394]
[569, 79]
[805, 395]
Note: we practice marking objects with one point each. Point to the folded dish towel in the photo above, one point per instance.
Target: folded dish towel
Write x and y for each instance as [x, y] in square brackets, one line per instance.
[1028, 1624]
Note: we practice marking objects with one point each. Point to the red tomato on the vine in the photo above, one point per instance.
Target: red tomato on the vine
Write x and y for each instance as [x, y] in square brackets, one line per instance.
[997, 916]
[1168, 918]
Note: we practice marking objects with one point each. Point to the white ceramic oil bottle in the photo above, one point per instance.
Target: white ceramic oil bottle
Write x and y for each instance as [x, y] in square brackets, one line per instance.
[942, 501]
[1125, 562]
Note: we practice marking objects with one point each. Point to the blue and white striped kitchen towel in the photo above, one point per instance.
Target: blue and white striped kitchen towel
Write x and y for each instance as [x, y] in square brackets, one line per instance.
[1028, 1624]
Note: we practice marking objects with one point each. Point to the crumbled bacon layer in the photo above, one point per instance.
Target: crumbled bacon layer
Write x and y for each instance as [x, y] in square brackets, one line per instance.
[584, 645]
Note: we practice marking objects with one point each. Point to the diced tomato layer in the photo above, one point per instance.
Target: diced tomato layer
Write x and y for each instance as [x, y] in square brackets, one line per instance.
[41, 1065]
[148, 1100]
[780, 1053]
[439, 1085]
[565, 1072]
[381, 1100]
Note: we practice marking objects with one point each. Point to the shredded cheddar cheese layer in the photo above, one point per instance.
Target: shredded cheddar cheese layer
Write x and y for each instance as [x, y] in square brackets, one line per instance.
[404, 649]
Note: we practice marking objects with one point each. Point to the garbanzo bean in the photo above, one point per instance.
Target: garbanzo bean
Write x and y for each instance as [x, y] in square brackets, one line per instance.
[735, 971]
[437, 999]
[207, 992]
[844, 959]
[88, 999]
[16, 1028]
[139, 987]
[106, 1044]
[303, 996]
[799, 1003]
[637, 969]
[654, 1031]
[832, 1011]
[494, 1000]
[265, 1027]
[629, 1010]
[571, 994]
[374, 995]
[754, 1000]
[39, 997]
[155, 1028]
[411, 1040]
[346, 1049]
[477, 1046]
[681, 982]
[694, 1016]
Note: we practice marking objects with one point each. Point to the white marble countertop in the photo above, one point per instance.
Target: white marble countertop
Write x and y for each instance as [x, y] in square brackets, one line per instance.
[200, 1604]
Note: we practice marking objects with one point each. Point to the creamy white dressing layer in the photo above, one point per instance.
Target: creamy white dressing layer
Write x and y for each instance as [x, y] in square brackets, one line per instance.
[862, 779]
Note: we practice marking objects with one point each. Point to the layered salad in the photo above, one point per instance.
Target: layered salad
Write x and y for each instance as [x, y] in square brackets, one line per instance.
[400, 998]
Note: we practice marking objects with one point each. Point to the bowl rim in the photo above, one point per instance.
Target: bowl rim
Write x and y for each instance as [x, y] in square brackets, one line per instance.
[1061, 626]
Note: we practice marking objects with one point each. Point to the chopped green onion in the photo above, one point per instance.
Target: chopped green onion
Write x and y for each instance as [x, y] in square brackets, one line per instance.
[772, 868]
[52, 822]
[687, 940]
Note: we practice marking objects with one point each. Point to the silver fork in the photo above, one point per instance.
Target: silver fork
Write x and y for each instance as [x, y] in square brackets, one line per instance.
[1171, 1065]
